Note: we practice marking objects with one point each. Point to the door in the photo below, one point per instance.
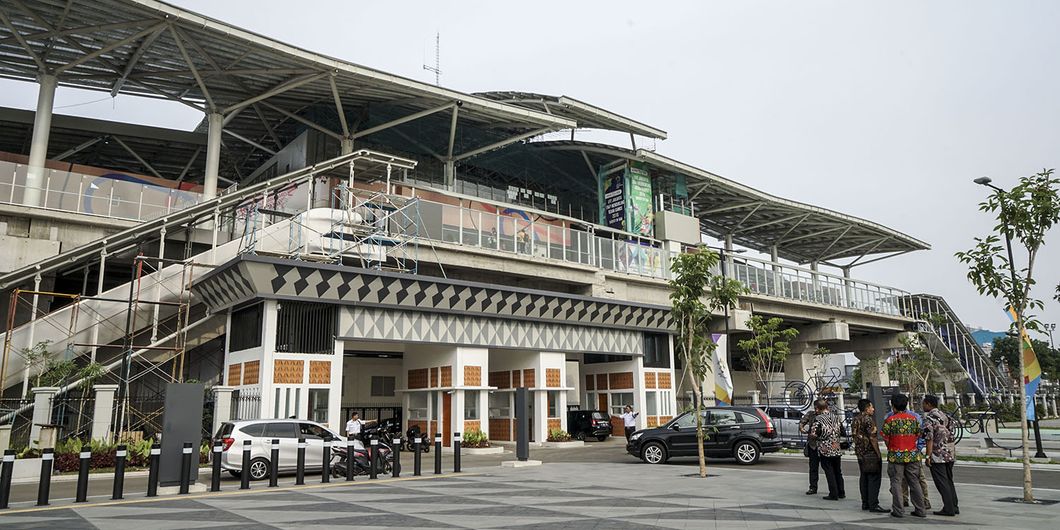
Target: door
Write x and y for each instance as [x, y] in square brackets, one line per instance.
[683, 439]
[447, 421]
[315, 438]
[724, 425]
[287, 433]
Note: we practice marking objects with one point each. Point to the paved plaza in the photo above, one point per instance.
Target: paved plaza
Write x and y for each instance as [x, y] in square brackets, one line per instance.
[554, 495]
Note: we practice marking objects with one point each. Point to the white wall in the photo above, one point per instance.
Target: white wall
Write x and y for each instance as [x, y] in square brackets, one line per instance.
[357, 380]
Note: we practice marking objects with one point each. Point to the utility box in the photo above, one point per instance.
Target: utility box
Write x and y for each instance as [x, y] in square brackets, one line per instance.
[181, 422]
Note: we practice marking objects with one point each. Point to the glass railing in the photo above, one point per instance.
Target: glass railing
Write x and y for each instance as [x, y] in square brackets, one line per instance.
[105, 196]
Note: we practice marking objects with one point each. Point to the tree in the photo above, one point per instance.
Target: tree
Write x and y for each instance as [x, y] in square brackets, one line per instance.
[916, 364]
[696, 292]
[767, 348]
[37, 358]
[1024, 215]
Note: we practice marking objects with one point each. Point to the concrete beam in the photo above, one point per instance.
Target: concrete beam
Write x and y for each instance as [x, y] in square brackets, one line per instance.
[875, 343]
[825, 332]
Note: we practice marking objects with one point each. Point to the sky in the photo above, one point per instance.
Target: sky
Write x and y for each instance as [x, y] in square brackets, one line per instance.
[884, 110]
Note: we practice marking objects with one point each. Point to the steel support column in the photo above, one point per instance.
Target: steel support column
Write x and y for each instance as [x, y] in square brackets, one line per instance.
[38, 149]
[215, 121]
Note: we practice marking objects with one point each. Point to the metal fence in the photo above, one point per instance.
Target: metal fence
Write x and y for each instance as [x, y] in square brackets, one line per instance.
[20, 412]
[246, 403]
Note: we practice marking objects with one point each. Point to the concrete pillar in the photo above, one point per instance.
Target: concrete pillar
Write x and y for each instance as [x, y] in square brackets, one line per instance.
[345, 146]
[778, 282]
[484, 409]
[42, 411]
[38, 148]
[222, 406]
[456, 422]
[1010, 399]
[561, 408]
[5, 437]
[848, 288]
[215, 123]
[873, 367]
[102, 412]
[800, 365]
[756, 396]
[450, 174]
[540, 415]
[841, 402]
[971, 399]
[728, 255]
[640, 397]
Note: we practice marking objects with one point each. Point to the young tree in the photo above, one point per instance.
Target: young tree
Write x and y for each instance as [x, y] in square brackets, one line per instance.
[696, 292]
[767, 348]
[1024, 216]
[916, 365]
[37, 358]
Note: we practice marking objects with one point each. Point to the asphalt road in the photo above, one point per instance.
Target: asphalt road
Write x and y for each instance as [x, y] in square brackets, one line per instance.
[611, 451]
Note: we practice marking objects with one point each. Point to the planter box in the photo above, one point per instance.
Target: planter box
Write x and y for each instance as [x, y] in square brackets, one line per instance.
[496, 450]
[563, 445]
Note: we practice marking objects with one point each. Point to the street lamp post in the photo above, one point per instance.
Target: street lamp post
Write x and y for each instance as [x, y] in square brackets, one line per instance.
[1039, 453]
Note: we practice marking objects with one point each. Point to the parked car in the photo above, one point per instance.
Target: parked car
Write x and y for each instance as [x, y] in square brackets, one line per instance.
[582, 424]
[786, 421]
[261, 433]
[743, 433]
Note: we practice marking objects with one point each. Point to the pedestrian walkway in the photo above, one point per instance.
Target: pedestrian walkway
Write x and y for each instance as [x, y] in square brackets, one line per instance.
[567, 495]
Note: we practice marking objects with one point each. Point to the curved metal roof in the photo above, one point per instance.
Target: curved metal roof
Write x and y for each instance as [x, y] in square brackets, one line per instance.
[588, 116]
[757, 220]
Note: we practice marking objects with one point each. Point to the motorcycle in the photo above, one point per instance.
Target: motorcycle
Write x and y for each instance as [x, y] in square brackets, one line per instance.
[361, 461]
[413, 433]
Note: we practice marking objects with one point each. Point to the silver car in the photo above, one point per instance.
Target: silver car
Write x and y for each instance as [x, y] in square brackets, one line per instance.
[261, 433]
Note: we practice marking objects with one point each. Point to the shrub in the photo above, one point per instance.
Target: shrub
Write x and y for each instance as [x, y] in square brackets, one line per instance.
[475, 438]
[558, 435]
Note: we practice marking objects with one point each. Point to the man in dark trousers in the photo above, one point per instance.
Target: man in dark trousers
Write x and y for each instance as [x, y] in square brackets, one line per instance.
[827, 434]
[870, 460]
[938, 432]
[811, 449]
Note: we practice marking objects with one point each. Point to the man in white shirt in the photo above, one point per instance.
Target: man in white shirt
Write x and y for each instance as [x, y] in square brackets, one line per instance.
[629, 421]
[354, 427]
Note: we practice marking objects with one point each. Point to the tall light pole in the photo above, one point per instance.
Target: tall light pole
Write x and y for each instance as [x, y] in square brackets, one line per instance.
[1025, 439]
[1050, 328]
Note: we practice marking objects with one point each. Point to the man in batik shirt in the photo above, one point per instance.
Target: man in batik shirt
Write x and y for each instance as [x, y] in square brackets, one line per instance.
[826, 432]
[939, 436]
[901, 432]
[870, 461]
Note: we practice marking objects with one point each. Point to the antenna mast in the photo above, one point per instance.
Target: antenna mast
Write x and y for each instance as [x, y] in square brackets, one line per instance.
[437, 68]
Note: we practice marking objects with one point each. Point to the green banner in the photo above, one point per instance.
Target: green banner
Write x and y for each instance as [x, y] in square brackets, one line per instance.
[639, 216]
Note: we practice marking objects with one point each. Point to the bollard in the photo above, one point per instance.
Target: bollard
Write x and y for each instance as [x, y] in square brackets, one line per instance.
[437, 453]
[325, 473]
[215, 478]
[44, 489]
[299, 469]
[373, 458]
[456, 452]
[185, 468]
[84, 459]
[416, 456]
[351, 451]
[395, 468]
[7, 469]
[152, 470]
[274, 463]
[119, 473]
[244, 475]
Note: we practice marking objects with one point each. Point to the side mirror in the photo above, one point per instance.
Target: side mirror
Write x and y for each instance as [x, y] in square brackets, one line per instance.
[675, 427]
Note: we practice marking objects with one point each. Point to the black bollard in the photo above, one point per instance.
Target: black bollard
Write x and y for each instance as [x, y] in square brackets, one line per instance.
[152, 470]
[395, 469]
[299, 470]
[7, 470]
[84, 459]
[119, 473]
[44, 489]
[325, 473]
[373, 458]
[456, 452]
[351, 450]
[416, 456]
[437, 453]
[244, 475]
[185, 468]
[274, 464]
[215, 477]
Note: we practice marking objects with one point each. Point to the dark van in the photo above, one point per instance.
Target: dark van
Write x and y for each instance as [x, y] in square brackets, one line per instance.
[582, 424]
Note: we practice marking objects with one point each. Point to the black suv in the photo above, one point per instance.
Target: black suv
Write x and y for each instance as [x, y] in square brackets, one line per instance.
[743, 433]
[582, 424]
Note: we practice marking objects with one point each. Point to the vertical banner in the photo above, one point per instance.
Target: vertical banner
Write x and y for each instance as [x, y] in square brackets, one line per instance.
[612, 199]
[722, 378]
[1032, 370]
[640, 217]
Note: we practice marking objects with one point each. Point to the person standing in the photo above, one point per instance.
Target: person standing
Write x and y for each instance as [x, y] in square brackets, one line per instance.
[826, 432]
[629, 421]
[938, 433]
[354, 428]
[870, 461]
[901, 431]
[810, 449]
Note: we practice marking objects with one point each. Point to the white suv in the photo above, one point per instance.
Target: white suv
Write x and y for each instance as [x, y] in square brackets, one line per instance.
[261, 433]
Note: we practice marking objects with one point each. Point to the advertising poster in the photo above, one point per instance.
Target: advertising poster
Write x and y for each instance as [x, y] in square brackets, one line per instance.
[641, 220]
[613, 200]
[722, 379]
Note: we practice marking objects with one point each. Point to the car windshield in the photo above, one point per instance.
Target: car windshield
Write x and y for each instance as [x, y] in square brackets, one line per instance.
[723, 417]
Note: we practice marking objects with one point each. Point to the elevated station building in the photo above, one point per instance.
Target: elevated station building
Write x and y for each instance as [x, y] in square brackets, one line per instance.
[335, 238]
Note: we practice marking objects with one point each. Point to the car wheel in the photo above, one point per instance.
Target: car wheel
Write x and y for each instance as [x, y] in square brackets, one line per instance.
[580, 436]
[653, 453]
[259, 469]
[601, 438]
[746, 452]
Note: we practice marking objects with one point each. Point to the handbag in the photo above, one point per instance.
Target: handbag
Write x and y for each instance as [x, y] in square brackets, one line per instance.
[871, 463]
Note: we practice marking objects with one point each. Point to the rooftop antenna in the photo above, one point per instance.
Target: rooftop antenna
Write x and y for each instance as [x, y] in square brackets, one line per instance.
[437, 68]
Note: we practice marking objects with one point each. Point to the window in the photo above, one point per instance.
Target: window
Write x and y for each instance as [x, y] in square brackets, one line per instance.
[688, 421]
[318, 404]
[619, 400]
[382, 386]
[723, 417]
[417, 405]
[651, 404]
[665, 403]
[748, 418]
[656, 350]
[500, 405]
[288, 402]
[305, 327]
[594, 358]
[314, 431]
[471, 404]
[553, 403]
[245, 332]
[253, 430]
[281, 430]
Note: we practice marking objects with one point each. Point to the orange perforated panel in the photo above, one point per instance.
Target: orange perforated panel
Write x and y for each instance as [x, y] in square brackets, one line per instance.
[601, 381]
[530, 377]
[554, 423]
[552, 378]
[653, 421]
[621, 380]
[664, 419]
[617, 427]
[447, 376]
[590, 382]
[288, 372]
[664, 379]
[500, 429]
[501, 379]
[471, 425]
[418, 378]
[235, 374]
[473, 376]
[434, 377]
[319, 372]
[649, 379]
[517, 378]
[251, 371]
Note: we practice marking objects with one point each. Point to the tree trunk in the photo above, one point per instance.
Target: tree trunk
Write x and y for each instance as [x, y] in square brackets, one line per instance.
[1028, 490]
[698, 392]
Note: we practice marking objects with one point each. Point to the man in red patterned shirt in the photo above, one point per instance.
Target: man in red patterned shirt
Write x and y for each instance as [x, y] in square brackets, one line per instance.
[901, 432]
